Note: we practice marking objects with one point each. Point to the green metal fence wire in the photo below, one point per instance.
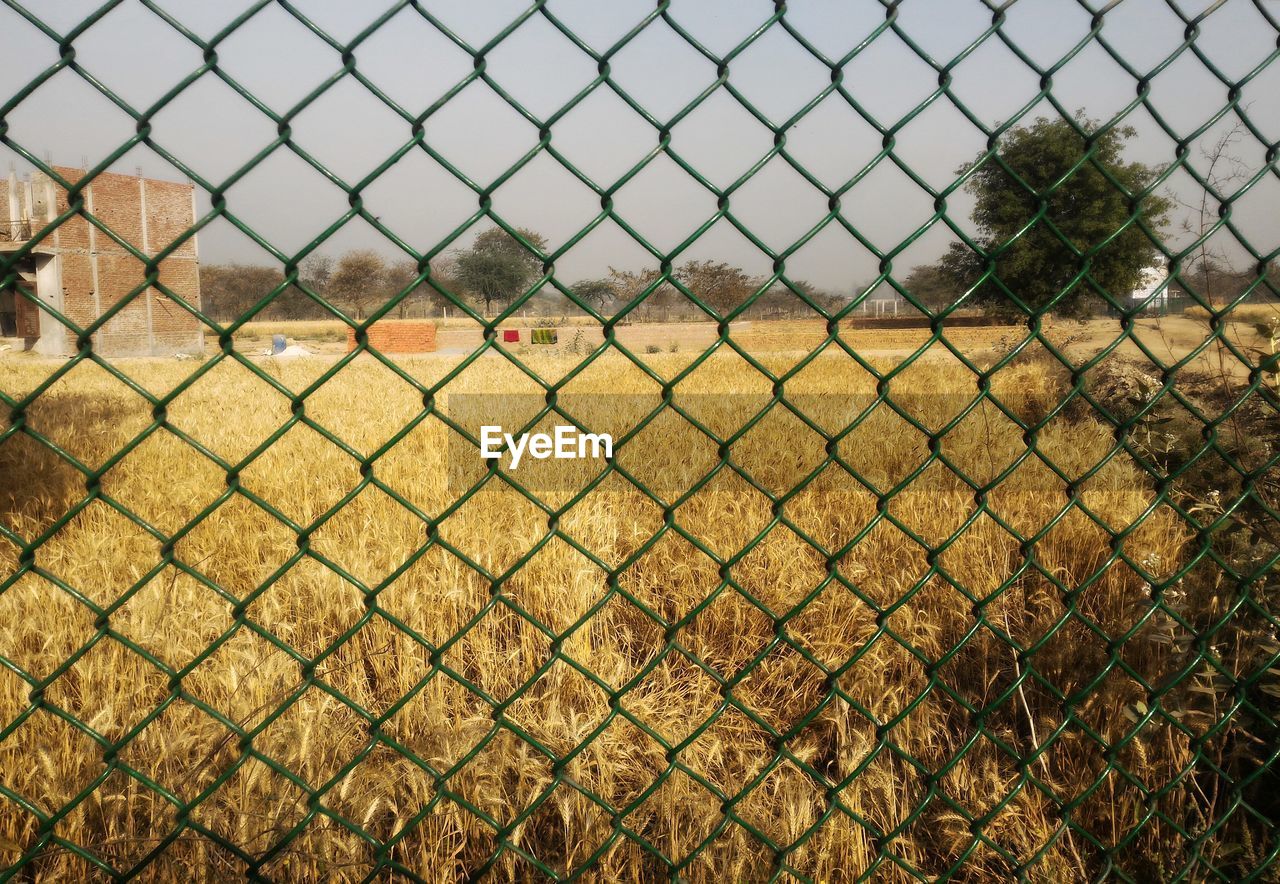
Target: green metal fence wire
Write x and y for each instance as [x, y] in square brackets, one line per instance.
[1247, 586]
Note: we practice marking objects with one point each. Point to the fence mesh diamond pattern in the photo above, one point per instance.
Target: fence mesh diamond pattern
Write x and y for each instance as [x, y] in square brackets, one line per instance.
[1171, 776]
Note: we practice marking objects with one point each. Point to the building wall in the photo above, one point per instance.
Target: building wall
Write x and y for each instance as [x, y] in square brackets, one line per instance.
[96, 273]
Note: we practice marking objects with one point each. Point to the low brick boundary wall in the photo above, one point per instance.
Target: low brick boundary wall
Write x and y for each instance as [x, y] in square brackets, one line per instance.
[398, 336]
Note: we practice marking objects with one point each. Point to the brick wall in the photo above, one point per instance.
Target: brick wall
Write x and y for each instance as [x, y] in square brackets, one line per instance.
[398, 336]
[28, 318]
[97, 272]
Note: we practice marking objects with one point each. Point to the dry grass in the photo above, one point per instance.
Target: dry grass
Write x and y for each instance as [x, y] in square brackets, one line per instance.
[897, 746]
[321, 334]
[1240, 313]
[300, 329]
[326, 329]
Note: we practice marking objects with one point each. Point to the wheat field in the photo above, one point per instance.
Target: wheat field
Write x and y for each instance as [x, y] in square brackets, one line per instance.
[482, 695]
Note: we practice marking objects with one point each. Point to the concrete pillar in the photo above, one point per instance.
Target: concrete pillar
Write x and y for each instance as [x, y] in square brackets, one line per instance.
[93, 256]
[53, 334]
[28, 195]
[50, 205]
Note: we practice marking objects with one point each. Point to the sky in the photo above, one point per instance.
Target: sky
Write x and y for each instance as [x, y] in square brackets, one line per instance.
[349, 131]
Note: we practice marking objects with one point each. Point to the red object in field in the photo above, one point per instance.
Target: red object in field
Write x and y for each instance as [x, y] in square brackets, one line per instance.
[510, 336]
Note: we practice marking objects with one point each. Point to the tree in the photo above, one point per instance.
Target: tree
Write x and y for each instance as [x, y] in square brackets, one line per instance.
[444, 278]
[631, 284]
[316, 272]
[497, 267]
[400, 276]
[229, 290]
[780, 301]
[359, 280]
[1086, 208]
[598, 293]
[932, 286]
[1213, 280]
[1210, 271]
[717, 284]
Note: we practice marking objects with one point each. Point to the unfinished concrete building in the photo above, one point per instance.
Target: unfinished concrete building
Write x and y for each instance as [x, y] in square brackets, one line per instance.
[81, 272]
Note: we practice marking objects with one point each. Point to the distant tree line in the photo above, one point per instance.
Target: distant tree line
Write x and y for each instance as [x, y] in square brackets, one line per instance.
[1214, 281]
[358, 282]
[1050, 204]
[490, 275]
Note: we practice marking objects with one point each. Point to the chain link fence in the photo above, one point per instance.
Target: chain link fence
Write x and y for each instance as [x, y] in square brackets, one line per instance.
[1043, 736]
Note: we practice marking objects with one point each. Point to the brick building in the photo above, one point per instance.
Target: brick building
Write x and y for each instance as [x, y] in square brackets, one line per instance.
[82, 272]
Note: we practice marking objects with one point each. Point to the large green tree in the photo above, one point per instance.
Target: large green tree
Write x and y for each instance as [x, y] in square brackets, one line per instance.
[497, 268]
[1086, 207]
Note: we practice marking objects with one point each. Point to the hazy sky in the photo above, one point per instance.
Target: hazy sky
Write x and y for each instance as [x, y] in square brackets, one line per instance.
[349, 131]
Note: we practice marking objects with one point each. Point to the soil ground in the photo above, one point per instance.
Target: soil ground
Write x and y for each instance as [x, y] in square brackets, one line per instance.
[1168, 339]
